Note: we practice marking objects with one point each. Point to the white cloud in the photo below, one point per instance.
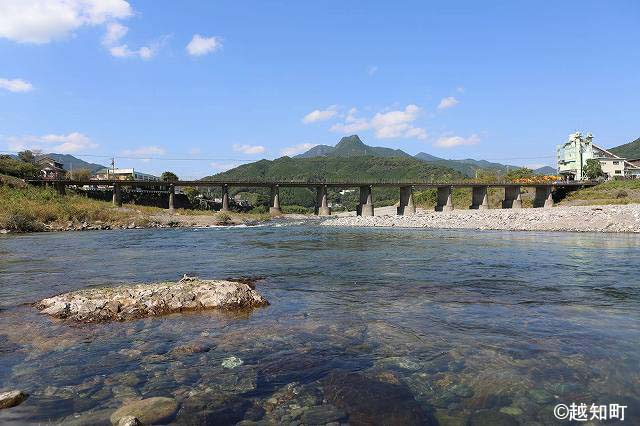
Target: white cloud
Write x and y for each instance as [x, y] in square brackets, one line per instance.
[448, 102]
[249, 149]
[320, 115]
[453, 141]
[390, 124]
[73, 142]
[199, 45]
[372, 70]
[15, 85]
[41, 21]
[115, 32]
[145, 150]
[297, 149]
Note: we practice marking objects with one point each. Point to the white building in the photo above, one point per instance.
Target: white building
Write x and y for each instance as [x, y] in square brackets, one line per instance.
[572, 157]
[124, 174]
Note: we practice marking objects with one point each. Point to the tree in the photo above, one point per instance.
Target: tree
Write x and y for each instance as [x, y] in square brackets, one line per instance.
[79, 174]
[169, 177]
[593, 169]
[521, 173]
[12, 167]
[27, 157]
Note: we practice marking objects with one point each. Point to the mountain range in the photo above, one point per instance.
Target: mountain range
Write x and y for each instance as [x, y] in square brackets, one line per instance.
[352, 146]
[630, 151]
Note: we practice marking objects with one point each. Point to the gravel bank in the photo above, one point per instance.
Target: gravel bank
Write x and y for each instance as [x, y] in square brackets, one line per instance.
[621, 218]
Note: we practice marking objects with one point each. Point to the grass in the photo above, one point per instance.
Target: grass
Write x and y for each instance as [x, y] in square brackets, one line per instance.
[610, 192]
[32, 209]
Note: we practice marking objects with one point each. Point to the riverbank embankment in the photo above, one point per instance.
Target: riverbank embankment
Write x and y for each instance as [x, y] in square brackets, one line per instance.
[620, 218]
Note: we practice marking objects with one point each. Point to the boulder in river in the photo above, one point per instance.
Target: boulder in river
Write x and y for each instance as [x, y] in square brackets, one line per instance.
[144, 300]
[11, 398]
[148, 411]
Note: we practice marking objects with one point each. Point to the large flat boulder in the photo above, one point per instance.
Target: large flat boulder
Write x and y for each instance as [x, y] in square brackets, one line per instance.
[144, 300]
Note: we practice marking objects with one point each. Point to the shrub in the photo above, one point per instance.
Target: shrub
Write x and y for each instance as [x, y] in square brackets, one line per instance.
[223, 217]
[17, 168]
[622, 194]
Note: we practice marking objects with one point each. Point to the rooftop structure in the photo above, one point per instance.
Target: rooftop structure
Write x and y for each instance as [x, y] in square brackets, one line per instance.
[50, 168]
[572, 158]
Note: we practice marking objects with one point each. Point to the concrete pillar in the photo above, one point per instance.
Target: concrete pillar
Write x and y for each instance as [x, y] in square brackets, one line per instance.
[275, 210]
[61, 188]
[323, 207]
[366, 202]
[544, 197]
[479, 198]
[406, 206]
[444, 202]
[117, 195]
[512, 198]
[172, 195]
[225, 198]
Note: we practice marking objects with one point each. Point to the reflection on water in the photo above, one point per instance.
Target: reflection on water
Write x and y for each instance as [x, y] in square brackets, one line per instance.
[365, 326]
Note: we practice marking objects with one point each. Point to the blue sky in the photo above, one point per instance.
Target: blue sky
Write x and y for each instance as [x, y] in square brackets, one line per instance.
[220, 81]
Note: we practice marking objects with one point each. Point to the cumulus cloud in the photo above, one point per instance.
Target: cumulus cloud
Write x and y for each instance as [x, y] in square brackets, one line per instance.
[16, 85]
[390, 124]
[145, 150]
[451, 141]
[448, 102]
[249, 149]
[41, 21]
[70, 143]
[297, 149]
[320, 115]
[199, 45]
[112, 40]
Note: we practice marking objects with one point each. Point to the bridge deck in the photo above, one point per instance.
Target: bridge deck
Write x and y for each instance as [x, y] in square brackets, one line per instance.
[307, 184]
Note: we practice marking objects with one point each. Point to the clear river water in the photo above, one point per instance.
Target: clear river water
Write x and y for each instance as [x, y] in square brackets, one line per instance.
[365, 326]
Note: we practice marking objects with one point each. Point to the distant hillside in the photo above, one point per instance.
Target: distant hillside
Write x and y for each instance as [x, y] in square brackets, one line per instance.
[72, 163]
[352, 146]
[546, 171]
[630, 151]
[342, 168]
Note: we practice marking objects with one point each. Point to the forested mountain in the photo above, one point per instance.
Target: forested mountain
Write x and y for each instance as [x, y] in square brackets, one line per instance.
[630, 151]
[72, 163]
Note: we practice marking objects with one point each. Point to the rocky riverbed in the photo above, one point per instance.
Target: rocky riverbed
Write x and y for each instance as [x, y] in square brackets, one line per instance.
[144, 300]
[619, 218]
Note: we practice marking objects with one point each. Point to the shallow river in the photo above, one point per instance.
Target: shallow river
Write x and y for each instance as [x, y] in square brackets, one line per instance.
[365, 326]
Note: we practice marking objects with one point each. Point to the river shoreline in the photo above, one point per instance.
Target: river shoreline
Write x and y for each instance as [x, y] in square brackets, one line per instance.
[607, 218]
[595, 218]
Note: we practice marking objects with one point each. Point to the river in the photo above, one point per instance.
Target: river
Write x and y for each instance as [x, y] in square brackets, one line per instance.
[393, 326]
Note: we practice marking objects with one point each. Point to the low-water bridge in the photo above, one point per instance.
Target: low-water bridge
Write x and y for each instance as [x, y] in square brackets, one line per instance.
[480, 200]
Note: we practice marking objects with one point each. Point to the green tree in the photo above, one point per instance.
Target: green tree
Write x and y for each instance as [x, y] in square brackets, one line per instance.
[27, 157]
[79, 174]
[12, 167]
[521, 173]
[169, 177]
[593, 169]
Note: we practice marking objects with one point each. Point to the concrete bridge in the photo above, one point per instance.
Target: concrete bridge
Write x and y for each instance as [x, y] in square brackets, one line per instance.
[480, 200]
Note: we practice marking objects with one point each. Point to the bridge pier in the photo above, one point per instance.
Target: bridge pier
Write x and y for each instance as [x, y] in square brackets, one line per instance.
[444, 201]
[172, 196]
[225, 198]
[544, 197]
[117, 196]
[61, 188]
[479, 198]
[365, 208]
[321, 201]
[406, 207]
[512, 198]
[275, 209]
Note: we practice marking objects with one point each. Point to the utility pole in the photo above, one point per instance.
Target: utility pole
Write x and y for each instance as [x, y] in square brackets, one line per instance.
[113, 165]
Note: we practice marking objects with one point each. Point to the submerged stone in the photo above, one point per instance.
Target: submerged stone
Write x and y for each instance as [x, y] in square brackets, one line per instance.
[232, 362]
[148, 411]
[145, 300]
[491, 418]
[540, 396]
[367, 401]
[12, 398]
